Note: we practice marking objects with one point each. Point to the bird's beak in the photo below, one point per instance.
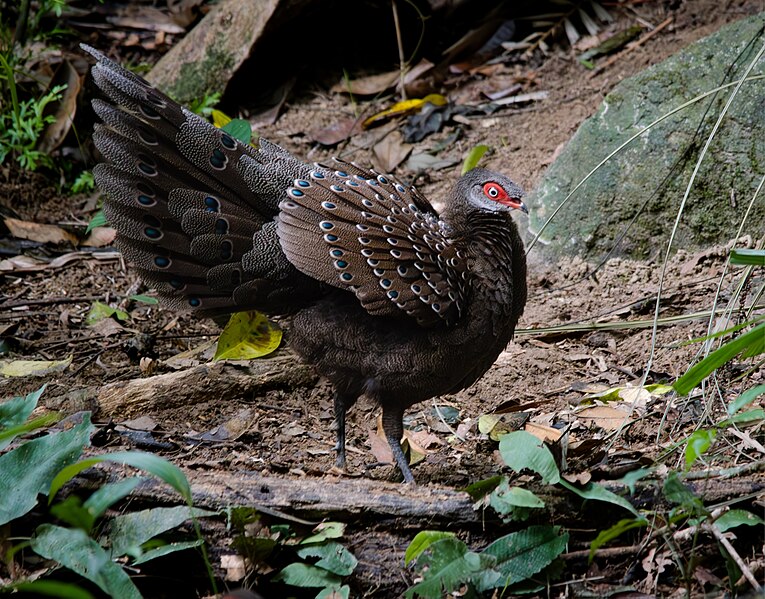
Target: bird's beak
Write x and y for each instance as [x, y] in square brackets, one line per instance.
[515, 204]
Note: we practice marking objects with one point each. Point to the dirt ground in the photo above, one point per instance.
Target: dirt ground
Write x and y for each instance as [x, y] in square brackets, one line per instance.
[544, 373]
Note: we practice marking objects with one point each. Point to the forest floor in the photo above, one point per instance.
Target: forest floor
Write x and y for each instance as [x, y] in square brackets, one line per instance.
[545, 374]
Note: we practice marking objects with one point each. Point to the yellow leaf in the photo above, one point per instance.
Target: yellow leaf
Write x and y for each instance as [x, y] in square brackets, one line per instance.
[403, 108]
[247, 335]
[33, 367]
[220, 119]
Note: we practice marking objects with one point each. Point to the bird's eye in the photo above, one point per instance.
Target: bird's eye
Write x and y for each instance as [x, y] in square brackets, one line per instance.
[493, 191]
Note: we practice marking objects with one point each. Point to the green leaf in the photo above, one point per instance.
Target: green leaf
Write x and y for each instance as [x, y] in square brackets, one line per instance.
[480, 489]
[676, 492]
[99, 311]
[632, 477]
[751, 340]
[697, 444]
[145, 299]
[129, 531]
[305, 575]
[166, 550]
[523, 451]
[239, 129]
[30, 468]
[343, 592]
[71, 511]
[74, 549]
[733, 518]
[421, 541]
[159, 467]
[14, 413]
[247, 335]
[324, 531]
[600, 493]
[334, 557]
[747, 257]
[97, 220]
[743, 418]
[53, 588]
[745, 399]
[109, 494]
[473, 157]
[446, 566]
[513, 502]
[522, 554]
[615, 531]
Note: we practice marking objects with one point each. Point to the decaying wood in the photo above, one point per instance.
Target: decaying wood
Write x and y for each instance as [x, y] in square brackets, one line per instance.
[125, 399]
[368, 500]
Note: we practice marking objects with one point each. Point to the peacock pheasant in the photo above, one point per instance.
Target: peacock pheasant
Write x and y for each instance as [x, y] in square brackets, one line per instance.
[387, 298]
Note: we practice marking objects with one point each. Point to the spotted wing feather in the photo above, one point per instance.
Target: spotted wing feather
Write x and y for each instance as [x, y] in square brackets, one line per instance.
[193, 207]
[367, 233]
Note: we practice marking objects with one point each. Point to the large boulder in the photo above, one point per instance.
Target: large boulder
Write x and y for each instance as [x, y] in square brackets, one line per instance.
[649, 177]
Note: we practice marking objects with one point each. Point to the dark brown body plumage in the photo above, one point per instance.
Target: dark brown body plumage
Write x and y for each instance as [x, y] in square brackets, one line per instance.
[387, 298]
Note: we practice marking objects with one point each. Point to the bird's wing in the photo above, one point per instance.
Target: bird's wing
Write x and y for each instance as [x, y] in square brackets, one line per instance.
[193, 207]
[369, 234]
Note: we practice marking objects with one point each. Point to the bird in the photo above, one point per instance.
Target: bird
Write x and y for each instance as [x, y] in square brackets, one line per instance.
[384, 296]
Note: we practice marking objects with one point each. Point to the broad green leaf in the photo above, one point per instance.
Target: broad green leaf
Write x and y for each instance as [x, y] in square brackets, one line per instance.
[100, 310]
[600, 493]
[324, 531]
[733, 518]
[98, 220]
[743, 418]
[334, 557]
[343, 592]
[632, 477]
[159, 467]
[305, 575]
[676, 492]
[30, 468]
[482, 488]
[523, 451]
[20, 368]
[247, 335]
[473, 158]
[745, 399]
[752, 339]
[446, 566]
[747, 257]
[15, 411]
[53, 588]
[74, 549]
[239, 129]
[129, 531]
[109, 494]
[513, 502]
[697, 444]
[7, 435]
[166, 550]
[70, 510]
[145, 299]
[522, 554]
[615, 531]
[421, 541]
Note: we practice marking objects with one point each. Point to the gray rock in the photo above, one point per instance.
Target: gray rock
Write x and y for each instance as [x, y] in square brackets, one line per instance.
[640, 180]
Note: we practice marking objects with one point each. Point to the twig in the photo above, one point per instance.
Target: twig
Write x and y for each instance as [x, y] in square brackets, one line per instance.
[606, 552]
[400, 44]
[734, 555]
[631, 46]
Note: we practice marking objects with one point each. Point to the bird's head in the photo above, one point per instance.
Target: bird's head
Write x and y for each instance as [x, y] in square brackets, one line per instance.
[490, 192]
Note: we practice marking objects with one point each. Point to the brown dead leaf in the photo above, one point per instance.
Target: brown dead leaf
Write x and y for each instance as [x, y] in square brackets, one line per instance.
[367, 86]
[337, 132]
[542, 432]
[100, 237]
[424, 439]
[578, 478]
[390, 152]
[64, 109]
[605, 417]
[41, 233]
[379, 447]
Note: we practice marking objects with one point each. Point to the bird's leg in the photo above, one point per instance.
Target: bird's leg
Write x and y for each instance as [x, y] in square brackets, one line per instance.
[393, 425]
[342, 402]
